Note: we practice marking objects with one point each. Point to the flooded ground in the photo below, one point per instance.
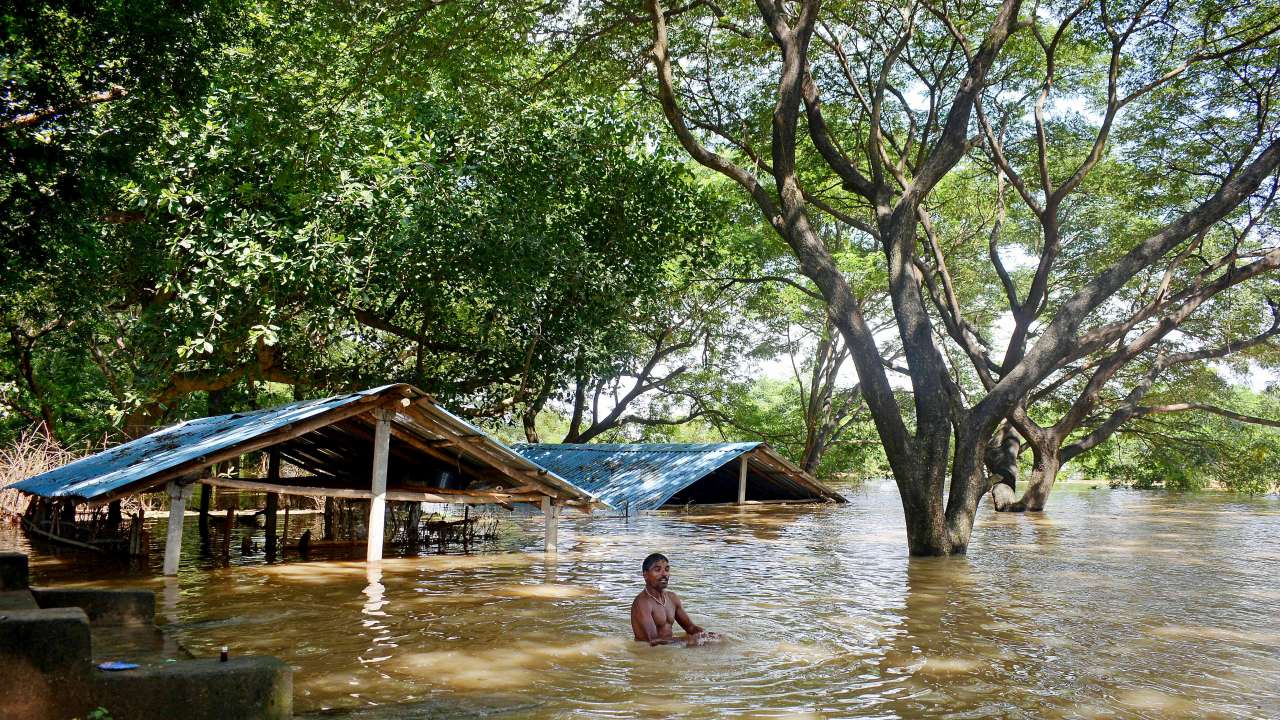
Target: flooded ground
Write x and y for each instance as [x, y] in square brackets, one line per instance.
[1113, 604]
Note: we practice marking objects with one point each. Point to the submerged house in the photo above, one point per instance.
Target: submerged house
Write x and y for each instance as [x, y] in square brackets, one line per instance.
[387, 443]
[636, 477]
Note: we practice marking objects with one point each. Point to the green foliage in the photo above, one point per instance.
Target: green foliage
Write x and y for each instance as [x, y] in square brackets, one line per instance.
[1196, 450]
[773, 410]
[317, 210]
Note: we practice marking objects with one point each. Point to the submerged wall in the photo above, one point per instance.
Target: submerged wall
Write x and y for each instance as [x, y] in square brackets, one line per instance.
[46, 661]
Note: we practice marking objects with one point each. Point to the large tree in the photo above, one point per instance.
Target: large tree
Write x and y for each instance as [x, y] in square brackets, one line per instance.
[872, 106]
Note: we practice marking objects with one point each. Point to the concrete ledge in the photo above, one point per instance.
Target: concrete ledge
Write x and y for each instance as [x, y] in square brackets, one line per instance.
[104, 607]
[14, 573]
[55, 642]
[17, 600]
[243, 687]
[47, 671]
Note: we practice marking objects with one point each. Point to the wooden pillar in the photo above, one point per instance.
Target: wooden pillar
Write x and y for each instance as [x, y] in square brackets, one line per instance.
[226, 536]
[549, 513]
[136, 545]
[273, 505]
[378, 504]
[742, 480]
[206, 494]
[273, 502]
[328, 518]
[178, 495]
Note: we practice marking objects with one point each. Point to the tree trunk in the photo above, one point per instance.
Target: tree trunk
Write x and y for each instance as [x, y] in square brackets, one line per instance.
[1043, 474]
[26, 368]
[529, 419]
[1003, 462]
[813, 452]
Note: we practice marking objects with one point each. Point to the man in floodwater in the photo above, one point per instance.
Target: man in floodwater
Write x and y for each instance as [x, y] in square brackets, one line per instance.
[655, 609]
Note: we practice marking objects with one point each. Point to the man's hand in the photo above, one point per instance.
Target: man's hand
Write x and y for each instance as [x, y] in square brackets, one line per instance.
[701, 637]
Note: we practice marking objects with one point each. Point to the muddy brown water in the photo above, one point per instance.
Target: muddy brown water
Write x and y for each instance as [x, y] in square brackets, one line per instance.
[1114, 604]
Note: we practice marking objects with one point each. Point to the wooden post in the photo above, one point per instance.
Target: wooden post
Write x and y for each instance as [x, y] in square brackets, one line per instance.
[328, 518]
[206, 494]
[378, 503]
[549, 513]
[742, 480]
[178, 495]
[273, 502]
[226, 536]
[136, 545]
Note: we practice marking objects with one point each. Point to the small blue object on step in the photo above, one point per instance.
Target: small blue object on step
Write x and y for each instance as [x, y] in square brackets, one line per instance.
[113, 665]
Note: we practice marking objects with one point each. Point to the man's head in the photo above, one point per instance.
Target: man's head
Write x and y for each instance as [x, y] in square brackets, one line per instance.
[657, 571]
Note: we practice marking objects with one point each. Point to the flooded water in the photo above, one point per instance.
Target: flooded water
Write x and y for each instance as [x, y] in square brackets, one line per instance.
[1113, 604]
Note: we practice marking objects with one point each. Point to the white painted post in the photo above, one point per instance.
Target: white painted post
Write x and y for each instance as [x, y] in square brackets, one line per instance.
[178, 495]
[549, 514]
[378, 505]
[742, 480]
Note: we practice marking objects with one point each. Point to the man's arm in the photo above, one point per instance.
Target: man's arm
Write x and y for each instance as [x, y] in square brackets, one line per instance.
[642, 618]
[683, 618]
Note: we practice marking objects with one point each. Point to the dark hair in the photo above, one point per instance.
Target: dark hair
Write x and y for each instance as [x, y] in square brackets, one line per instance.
[651, 560]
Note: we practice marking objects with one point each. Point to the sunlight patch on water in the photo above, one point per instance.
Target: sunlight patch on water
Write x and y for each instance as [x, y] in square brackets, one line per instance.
[546, 591]
[1158, 703]
[518, 665]
[935, 665]
[1202, 632]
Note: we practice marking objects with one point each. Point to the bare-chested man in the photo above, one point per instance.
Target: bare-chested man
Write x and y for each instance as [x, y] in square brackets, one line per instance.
[655, 609]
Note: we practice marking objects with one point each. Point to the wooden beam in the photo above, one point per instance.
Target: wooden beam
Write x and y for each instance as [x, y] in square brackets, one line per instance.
[313, 480]
[409, 438]
[462, 497]
[295, 457]
[416, 416]
[742, 479]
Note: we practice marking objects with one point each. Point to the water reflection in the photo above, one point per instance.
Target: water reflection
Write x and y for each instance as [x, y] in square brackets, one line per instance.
[1114, 604]
[374, 590]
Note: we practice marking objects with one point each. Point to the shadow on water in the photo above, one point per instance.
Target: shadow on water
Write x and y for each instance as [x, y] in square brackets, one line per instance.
[1113, 604]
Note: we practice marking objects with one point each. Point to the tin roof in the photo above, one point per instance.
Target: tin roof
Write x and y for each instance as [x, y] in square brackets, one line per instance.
[330, 438]
[647, 476]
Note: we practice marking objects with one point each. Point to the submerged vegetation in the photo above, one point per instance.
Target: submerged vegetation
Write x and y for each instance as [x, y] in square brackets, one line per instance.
[976, 241]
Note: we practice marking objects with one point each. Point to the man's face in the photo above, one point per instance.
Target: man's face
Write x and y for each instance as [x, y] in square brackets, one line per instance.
[657, 575]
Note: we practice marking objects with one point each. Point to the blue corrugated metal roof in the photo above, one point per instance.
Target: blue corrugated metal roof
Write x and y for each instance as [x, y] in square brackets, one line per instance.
[113, 470]
[639, 477]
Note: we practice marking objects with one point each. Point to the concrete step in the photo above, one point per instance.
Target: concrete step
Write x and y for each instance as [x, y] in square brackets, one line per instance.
[17, 600]
[13, 571]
